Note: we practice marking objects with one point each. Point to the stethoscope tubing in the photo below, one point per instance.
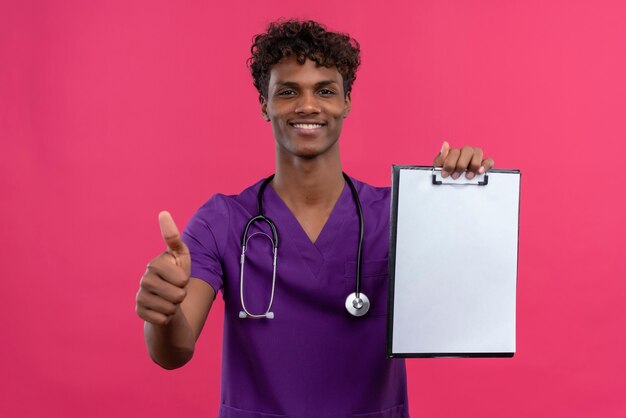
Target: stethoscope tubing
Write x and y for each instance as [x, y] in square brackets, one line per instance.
[359, 210]
[268, 312]
[357, 303]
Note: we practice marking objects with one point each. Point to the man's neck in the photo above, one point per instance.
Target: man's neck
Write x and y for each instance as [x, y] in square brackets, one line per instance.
[312, 183]
[310, 189]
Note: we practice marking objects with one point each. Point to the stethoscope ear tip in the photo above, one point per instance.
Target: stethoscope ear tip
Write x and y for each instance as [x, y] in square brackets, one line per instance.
[242, 314]
[269, 315]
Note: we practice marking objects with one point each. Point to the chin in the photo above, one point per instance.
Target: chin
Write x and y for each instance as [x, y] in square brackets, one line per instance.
[313, 152]
[306, 154]
[307, 148]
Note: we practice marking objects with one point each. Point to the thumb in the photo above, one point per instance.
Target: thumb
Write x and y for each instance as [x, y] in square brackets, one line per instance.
[441, 157]
[170, 233]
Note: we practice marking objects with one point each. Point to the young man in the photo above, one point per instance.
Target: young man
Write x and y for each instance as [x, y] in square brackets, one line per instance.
[291, 347]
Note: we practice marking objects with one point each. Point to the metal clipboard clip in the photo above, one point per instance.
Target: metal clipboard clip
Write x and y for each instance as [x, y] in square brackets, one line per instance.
[478, 180]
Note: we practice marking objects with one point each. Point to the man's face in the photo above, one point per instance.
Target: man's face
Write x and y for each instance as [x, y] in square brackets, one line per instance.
[306, 105]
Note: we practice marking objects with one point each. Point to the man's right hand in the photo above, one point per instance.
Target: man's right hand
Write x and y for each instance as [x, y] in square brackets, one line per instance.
[163, 286]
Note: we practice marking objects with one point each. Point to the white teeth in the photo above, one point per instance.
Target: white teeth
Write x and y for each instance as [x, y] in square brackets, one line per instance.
[307, 125]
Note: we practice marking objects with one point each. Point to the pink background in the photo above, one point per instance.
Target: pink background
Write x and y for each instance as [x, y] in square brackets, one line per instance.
[112, 111]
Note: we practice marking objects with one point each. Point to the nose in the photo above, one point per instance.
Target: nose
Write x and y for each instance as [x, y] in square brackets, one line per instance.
[307, 104]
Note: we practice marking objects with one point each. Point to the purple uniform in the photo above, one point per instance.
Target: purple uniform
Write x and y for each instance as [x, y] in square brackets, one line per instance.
[313, 359]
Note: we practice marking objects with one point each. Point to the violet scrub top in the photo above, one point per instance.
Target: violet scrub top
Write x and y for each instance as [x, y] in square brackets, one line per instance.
[313, 359]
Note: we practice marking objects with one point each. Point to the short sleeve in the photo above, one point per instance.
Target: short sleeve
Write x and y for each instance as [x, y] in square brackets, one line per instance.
[202, 237]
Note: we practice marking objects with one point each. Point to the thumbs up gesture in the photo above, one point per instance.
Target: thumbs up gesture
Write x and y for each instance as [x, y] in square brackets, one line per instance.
[163, 286]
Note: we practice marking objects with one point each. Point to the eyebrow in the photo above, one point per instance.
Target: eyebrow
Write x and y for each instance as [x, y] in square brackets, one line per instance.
[318, 84]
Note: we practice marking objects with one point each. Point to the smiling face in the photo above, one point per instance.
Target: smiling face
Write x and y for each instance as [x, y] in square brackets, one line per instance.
[306, 105]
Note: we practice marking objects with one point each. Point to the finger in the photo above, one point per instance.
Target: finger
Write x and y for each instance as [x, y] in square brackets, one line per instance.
[150, 301]
[168, 271]
[463, 161]
[486, 165]
[154, 284]
[475, 163]
[443, 153]
[449, 163]
[152, 316]
[170, 233]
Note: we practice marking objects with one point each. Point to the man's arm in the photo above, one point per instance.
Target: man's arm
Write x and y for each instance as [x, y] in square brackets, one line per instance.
[172, 345]
[173, 306]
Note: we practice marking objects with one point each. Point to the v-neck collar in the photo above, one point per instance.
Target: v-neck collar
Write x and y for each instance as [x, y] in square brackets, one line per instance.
[313, 253]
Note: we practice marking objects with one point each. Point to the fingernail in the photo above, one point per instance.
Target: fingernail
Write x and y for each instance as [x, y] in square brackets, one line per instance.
[444, 174]
[469, 175]
[481, 170]
[442, 145]
[456, 175]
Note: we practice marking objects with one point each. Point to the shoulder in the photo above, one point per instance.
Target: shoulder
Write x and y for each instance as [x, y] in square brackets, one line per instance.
[215, 215]
[372, 195]
[376, 205]
[221, 205]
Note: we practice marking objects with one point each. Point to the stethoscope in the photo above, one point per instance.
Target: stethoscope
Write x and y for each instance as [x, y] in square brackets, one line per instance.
[357, 303]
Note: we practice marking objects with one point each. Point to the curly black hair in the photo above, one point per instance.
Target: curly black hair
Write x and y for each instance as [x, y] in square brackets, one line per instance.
[302, 39]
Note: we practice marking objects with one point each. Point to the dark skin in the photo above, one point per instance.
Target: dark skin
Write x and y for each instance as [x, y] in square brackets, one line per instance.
[306, 106]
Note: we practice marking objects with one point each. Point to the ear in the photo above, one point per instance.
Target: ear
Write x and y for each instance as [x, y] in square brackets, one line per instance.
[264, 108]
[347, 105]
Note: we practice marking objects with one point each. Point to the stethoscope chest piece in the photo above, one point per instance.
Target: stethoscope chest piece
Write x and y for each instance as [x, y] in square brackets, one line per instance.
[357, 306]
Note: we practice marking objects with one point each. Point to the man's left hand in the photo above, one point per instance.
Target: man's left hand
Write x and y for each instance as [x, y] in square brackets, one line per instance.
[456, 161]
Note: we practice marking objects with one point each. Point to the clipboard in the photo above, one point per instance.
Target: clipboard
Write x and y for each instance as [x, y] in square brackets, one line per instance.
[452, 263]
